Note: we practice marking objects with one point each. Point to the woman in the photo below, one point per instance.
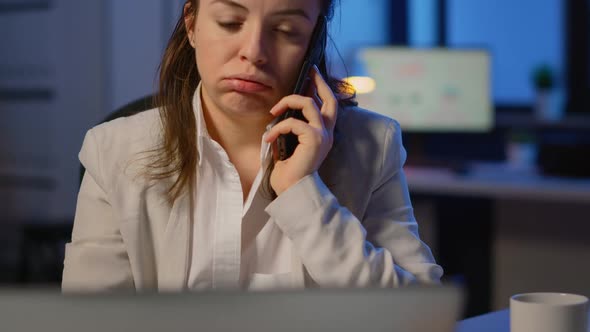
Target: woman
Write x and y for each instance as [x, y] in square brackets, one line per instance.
[191, 196]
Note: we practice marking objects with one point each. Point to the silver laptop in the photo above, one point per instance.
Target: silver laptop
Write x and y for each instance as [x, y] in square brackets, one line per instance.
[412, 309]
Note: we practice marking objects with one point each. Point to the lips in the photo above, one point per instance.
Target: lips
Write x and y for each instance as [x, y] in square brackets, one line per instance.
[247, 84]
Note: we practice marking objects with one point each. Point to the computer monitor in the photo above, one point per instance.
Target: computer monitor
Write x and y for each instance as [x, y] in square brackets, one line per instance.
[430, 90]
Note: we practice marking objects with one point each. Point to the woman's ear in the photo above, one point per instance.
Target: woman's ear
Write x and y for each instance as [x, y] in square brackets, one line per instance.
[189, 15]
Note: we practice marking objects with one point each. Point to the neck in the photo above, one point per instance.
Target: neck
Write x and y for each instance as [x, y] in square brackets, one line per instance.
[235, 133]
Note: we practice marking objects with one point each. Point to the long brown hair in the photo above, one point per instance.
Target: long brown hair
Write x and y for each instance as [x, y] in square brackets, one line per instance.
[177, 153]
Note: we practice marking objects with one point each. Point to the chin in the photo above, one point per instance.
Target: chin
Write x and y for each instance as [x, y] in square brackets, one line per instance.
[247, 104]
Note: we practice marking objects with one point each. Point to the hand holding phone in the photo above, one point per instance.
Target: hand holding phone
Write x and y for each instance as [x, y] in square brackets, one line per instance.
[287, 143]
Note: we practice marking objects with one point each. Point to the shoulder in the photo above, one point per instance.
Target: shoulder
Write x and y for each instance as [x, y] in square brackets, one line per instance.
[367, 151]
[367, 142]
[356, 123]
[127, 132]
[110, 147]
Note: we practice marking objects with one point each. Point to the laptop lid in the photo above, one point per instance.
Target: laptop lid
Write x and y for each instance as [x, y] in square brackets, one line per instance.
[413, 309]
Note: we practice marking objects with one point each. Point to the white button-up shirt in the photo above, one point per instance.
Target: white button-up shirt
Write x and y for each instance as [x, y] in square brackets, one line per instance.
[233, 243]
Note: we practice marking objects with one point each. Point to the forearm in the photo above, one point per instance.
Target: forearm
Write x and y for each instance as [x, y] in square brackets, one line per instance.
[332, 243]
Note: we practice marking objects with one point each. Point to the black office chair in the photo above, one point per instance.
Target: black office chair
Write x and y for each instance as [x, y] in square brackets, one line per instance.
[42, 251]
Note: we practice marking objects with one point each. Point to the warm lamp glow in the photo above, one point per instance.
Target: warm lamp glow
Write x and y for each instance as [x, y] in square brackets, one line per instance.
[361, 84]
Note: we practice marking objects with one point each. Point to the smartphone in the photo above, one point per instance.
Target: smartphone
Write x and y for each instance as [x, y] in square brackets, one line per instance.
[287, 143]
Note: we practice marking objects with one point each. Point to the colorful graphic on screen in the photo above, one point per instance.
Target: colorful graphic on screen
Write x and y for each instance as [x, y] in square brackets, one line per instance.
[430, 89]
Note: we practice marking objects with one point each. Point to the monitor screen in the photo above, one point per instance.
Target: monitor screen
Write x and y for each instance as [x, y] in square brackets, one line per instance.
[430, 90]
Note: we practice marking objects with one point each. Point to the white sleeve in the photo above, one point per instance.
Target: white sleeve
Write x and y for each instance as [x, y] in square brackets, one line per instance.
[339, 250]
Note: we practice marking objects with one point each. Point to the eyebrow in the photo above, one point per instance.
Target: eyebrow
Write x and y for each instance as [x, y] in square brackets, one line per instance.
[292, 12]
[284, 12]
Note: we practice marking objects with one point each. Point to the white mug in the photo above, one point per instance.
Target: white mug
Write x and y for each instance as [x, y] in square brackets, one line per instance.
[548, 312]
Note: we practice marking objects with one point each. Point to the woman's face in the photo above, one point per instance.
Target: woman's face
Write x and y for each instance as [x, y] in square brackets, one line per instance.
[249, 51]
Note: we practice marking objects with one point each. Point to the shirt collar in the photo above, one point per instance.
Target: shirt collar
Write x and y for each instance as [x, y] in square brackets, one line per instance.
[202, 132]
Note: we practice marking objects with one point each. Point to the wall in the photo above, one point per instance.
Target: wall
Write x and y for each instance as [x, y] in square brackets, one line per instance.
[137, 40]
[356, 24]
[520, 34]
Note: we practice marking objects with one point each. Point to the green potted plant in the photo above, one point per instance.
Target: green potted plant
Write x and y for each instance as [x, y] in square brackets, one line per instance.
[544, 82]
[543, 78]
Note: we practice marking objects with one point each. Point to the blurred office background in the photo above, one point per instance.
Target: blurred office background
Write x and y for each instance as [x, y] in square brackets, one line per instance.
[515, 222]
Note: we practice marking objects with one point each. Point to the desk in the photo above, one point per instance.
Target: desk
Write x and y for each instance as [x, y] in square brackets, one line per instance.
[498, 181]
[498, 321]
[487, 210]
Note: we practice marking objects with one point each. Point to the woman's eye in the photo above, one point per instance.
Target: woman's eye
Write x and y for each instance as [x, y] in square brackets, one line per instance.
[230, 26]
[287, 32]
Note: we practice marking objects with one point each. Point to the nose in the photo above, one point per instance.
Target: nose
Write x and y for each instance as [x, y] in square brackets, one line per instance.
[254, 47]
